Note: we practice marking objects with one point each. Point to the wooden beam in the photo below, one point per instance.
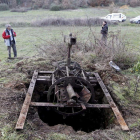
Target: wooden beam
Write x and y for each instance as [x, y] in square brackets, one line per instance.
[45, 72]
[112, 104]
[76, 105]
[46, 79]
[27, 101]
[43, 77]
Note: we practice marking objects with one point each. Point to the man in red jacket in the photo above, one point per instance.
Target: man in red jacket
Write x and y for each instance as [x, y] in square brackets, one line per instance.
[9, 38]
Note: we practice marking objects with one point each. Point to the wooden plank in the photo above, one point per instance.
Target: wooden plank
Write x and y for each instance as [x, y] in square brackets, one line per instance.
[112, 104]
[27, 101]
[43, 77]
[50, 72]
[48, 77]
[76, 105]
[45, 72]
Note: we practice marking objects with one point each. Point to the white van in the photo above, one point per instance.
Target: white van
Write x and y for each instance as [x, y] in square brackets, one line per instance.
[115, 17]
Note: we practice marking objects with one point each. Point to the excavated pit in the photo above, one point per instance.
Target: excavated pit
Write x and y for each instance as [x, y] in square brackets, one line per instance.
[88, 121]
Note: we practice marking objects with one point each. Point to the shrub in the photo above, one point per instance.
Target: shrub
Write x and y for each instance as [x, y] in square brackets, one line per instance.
[99, 2]
[19, 10]
[45, 6]
[55, 7]
[113, 8]
[121, 3]
[70, 22]
[116, 49]
[4, 7]
[35, 7]
[134, 3]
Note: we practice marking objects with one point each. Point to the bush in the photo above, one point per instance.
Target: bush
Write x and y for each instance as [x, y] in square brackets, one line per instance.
[121, 3]
[55, 7]
[45, 6]
[70, 22]
[115, 49]
[113, 8]
[35, 7]
[134, 3]
[99, 2]
[19, 10]
[4, 7]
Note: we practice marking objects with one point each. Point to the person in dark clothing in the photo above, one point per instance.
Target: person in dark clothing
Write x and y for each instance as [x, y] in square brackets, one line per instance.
[104, 32]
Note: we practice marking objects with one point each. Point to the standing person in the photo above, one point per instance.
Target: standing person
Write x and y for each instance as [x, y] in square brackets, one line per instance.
[9, 38]
[104, 32]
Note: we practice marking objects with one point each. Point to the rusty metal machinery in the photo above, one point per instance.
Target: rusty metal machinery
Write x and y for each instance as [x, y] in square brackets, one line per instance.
[70, 85]
[70, 90]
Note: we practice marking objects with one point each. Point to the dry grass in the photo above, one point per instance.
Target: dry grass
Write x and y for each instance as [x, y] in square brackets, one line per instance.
[113, 8]
[116, 49]
[70, 22]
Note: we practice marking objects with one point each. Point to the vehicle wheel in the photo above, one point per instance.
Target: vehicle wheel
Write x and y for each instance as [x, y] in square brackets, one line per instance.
[138, 22]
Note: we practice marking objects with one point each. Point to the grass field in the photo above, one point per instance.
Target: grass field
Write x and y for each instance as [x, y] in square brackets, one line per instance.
[15, 73]
[28, 38]
[32, 15]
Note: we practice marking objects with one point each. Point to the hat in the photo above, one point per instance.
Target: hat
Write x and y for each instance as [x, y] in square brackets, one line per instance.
[7, 25]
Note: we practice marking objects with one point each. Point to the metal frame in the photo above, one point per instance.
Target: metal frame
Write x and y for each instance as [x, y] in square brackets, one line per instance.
[44, 79]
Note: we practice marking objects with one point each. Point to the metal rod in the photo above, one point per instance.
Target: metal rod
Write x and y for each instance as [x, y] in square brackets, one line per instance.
[52, 79]
[84, 75]
[69, 52]
[70, 91]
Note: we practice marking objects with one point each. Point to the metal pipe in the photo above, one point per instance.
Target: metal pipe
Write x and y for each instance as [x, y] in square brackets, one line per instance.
[71, 92]
[69, 51]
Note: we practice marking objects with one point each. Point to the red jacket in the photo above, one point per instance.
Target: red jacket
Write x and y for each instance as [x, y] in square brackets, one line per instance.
[5, 36]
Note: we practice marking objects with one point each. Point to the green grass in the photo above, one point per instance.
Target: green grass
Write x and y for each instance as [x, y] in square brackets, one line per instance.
[29, 38]
[32, 15]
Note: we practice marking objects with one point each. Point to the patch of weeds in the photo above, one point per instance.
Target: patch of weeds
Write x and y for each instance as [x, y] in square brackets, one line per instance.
[3, 80]
[136, 67]
[125, 136]
[8, 134]
[117, 91]
[55, 7]
[136, 124]
[119, 94]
